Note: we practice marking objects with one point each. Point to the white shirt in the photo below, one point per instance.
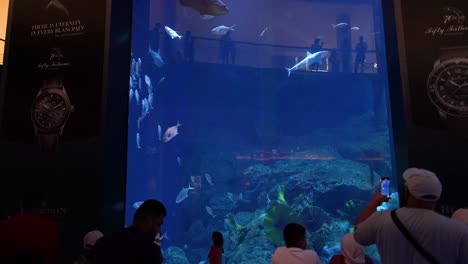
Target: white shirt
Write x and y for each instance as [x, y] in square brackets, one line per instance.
[445, 239]
[292, 255]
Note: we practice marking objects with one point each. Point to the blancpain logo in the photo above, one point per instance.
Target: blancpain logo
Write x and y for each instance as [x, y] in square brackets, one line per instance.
[452, 23]
[56, 4]
[55, 60]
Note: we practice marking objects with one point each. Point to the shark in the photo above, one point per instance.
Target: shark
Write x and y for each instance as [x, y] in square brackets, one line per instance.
[172, 33]
[312, 58]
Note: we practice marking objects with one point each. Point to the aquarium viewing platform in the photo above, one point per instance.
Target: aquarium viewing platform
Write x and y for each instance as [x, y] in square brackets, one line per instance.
[268, 55]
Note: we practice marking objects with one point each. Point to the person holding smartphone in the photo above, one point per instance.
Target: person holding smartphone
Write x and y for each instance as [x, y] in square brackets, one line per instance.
[436, 238]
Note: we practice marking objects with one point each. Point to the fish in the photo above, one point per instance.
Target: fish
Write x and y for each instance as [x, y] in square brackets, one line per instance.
[143, 106]
[230, 196]
[241, 196]
[206, 17]
[58, 5]
[133, 68]
[193, 178]
[147, 106]
[172, 33]
[164, 236]
[206, 7]
[312, 58]
[139, 122]
[138, 140]
[209, 179]
[355, 28]
[156, 56]
[147, 80]
[131, 95]
[138, 67]
[210, 211]
[158, 238]
[221, 30]
[183, 194]
[161, 80]
[171, 132]
[137, 205]
[151, 100]
[179, 161]
[159, 132]
[263, 32]
[340, 25]
[140, 84]
[131, 82]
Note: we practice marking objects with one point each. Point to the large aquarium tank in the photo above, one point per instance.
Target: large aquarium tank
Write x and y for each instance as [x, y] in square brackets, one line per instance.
[248, 115]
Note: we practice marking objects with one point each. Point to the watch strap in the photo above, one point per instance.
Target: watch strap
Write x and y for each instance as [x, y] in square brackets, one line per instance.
[453, 52]
[48, 142]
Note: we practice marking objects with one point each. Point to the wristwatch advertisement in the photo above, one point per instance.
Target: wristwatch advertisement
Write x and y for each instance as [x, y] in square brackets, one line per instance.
[433, 45]
[447, 86]
[54, 63]
[436, 51]
[50, 111]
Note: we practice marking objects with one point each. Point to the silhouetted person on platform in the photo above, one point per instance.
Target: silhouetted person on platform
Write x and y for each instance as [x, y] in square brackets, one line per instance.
[188, 47]
[228, 52]
[361, 49]
[136, 243]
[155, 37]
[334, 62]
[316, 47]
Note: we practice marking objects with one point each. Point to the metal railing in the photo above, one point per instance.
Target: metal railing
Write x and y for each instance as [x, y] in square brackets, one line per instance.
[267, 55]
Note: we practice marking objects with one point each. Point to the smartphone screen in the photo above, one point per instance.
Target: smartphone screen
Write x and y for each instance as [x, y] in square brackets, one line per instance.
[385, 186]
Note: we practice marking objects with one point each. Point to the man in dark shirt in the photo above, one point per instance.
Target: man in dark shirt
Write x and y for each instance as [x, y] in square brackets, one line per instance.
[136, 243]
[361, 49]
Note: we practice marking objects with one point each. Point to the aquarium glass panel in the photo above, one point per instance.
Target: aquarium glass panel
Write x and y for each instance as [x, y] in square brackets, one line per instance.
[248, 115]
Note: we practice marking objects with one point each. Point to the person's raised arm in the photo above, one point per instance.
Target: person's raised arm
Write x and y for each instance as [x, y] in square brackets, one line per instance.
[376, 201]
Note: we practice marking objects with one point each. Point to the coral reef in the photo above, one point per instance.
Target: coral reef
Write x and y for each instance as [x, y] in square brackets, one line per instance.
[175, 255]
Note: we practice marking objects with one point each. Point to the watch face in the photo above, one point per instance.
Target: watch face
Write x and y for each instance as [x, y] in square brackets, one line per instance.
[448, 87]
[50, 111]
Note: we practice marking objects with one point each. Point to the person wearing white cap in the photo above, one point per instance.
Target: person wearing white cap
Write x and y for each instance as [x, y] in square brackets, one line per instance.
[413, 233]
[351, 252]
[89, 240]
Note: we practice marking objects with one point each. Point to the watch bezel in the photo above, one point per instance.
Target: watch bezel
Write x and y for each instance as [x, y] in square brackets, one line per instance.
[433, 93]
[68, 110]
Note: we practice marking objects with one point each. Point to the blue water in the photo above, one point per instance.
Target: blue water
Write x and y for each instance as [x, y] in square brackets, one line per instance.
[258, 147]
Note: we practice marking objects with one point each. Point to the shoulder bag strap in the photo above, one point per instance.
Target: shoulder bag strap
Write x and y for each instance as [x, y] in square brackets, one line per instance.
[411, 239]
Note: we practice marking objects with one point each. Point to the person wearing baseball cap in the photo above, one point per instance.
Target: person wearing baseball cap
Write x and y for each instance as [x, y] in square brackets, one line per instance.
[89, 240]
[414, 233]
